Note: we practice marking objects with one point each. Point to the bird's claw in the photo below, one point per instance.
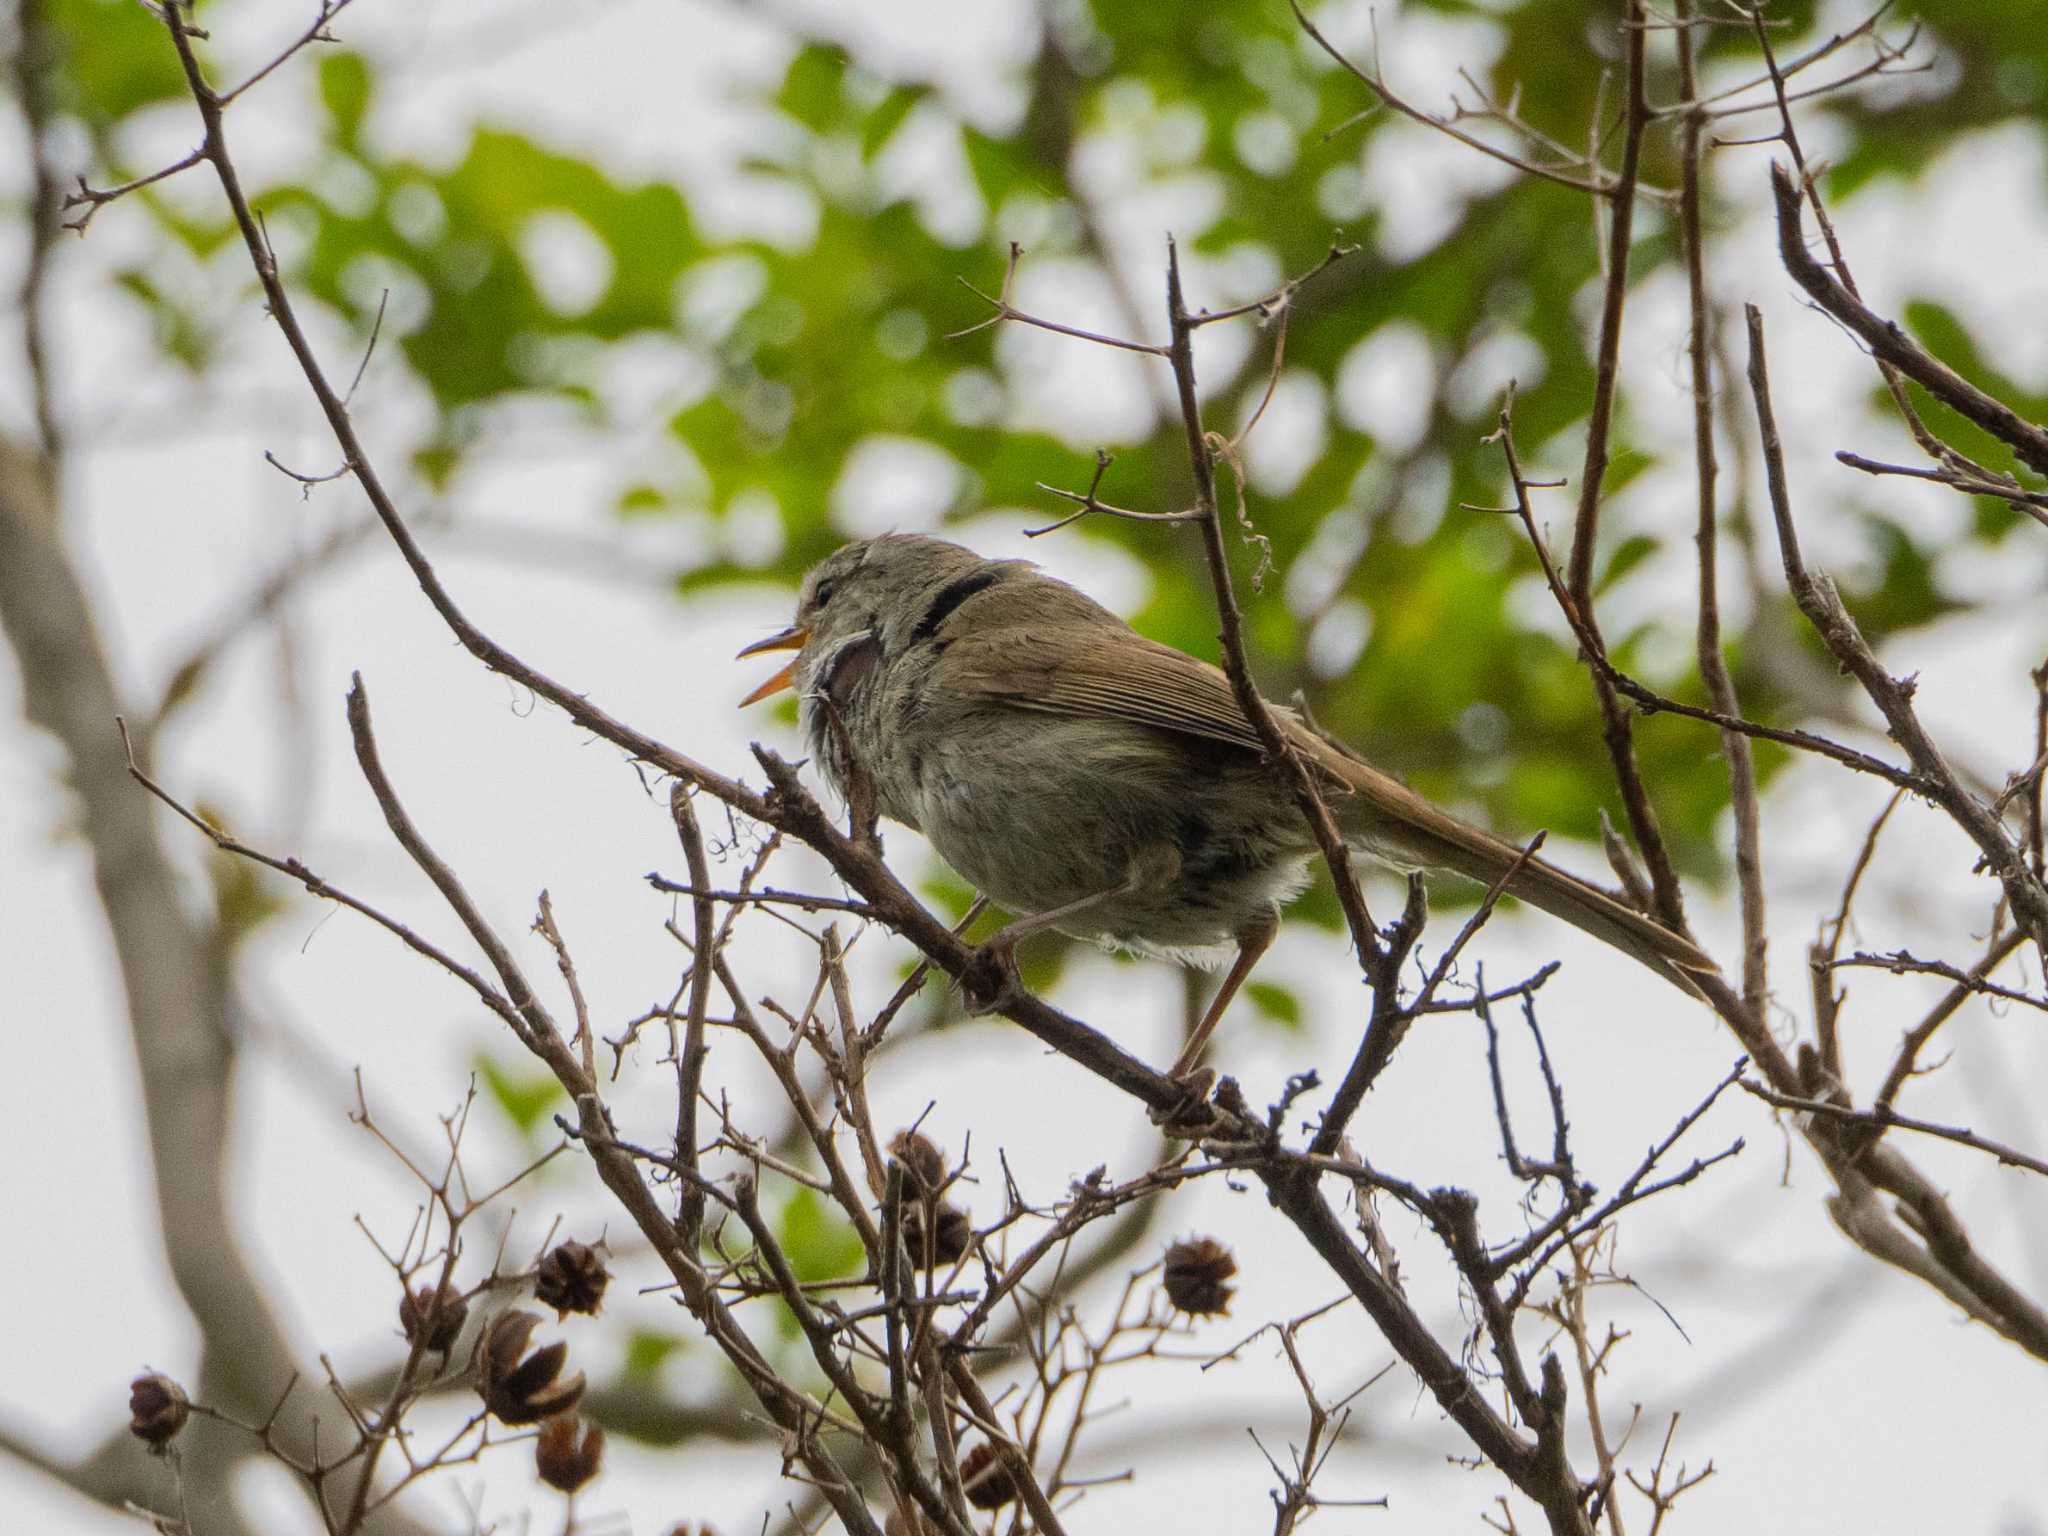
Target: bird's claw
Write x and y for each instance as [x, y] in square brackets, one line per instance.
[1192, 1116]
[989, 976]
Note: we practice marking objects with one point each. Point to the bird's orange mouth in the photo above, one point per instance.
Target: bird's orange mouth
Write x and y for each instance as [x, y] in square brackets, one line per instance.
[790, 639]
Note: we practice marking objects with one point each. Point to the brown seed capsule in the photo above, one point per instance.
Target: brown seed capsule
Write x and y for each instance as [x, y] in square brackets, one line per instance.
[1196, 1271]
[157, 1409]
[572, 1278]
[691, 1528]
[565, 1458]
[433, 1314]
[986, 1478]
[952, 1234]
[924, 1165]
[521, 1388]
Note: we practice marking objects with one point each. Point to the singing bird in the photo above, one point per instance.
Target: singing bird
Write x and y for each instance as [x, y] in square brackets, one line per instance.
[1101, 784]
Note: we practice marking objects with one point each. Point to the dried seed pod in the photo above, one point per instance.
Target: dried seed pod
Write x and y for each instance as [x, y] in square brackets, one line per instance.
[1197, 1269]
[157, 1409]
[521, 1388]
[691, 1528]
[986, 1478]
[433, 1314]
[924, 1165]
[568, 1452]
[572, 1278]
[952, 1234]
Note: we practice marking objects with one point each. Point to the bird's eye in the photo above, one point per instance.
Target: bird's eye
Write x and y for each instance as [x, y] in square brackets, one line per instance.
[823, 595]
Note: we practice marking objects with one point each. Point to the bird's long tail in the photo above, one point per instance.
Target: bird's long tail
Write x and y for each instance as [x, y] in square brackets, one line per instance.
[1395, 823]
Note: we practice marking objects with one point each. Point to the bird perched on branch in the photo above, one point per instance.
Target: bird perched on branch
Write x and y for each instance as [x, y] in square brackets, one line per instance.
[1099, 783]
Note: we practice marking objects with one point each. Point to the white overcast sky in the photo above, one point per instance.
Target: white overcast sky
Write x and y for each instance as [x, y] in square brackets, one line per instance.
[1828, 1393]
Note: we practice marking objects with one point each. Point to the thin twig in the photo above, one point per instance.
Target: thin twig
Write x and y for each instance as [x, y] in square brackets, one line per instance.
[317, 886]
[1230, 637]
[1004, 310]
[1822, 607]
[2033, 503]
[1884, 1118]
[544, 924]
[1635, 797]
[1742, 790]
[93, 199]
[1900, 963]
[316, 33]
[1089, 502]
[1280, 299]
[1585, 175]
[306, 482]
[1828, 943]
[690, 1050]
[1594, 648]
[1905, 1063]
[1788, 134]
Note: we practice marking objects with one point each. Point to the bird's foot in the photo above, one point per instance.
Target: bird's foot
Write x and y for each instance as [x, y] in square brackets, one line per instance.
[1191, 1116]
[989, 979]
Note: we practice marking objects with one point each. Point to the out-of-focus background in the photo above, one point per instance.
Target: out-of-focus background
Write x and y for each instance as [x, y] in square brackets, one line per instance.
[665, 293]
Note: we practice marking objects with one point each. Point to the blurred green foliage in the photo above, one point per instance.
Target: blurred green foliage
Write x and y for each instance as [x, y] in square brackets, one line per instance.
[648, 1351]
[812, 349]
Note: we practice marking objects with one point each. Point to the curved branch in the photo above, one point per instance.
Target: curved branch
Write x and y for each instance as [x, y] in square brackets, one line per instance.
[1891, 345]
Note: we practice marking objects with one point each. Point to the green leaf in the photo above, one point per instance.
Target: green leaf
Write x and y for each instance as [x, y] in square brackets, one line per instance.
[1628, 554]
[820, 1243]
[882, 123]
[181, 334]
[999, 166]
[1275, 1002]
[245, 896]
[345, 89]
[813, 88]
[1904, 595]
[524, 1096]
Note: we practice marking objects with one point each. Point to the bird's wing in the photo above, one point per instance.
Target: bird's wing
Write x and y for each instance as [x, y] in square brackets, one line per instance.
[1118, 674]
[1102, 672]
[1106, 670]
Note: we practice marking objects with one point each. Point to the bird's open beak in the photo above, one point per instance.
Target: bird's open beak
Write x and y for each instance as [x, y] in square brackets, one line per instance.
[791, 639]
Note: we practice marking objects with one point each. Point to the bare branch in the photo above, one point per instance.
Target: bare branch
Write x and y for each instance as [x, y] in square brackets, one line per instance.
[1004, 310]
[1882, 1118]
[1823, 608]
[93, 199]
[1892, 346]
[2033, 503]
[1900, 963]
[1584, 174]
[1713, 665]
[316, 33]
[488, 995]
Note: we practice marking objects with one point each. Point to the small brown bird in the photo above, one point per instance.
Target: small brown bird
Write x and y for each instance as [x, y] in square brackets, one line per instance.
[1099, 783]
